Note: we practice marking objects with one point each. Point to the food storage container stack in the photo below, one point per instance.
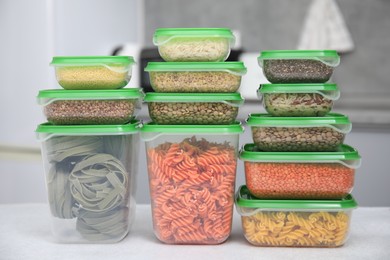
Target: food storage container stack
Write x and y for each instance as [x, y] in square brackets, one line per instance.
[192, 140]
[299, 173]
[90, 148]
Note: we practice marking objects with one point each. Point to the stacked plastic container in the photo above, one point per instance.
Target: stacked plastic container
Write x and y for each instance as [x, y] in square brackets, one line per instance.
[90, 148]
[298, 172]
[192, 141]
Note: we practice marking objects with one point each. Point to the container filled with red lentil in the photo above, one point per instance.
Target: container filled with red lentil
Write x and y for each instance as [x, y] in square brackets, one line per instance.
[298, 66]
[294, 223]
[298, 99]
[299, 134]
[300, 175]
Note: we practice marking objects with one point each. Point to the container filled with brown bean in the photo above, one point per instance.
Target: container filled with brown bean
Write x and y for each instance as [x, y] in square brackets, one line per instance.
[298, 66]
[193, 108]
[298, 99]
[206, 77]
[299, 134]
[90, 107]
[93, 72]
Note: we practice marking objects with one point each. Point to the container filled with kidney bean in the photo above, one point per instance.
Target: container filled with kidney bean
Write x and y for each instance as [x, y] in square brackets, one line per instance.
[300, 175]
[298, 99]
[298, 66]
[299, 134]
[193, 108]
[90, 107]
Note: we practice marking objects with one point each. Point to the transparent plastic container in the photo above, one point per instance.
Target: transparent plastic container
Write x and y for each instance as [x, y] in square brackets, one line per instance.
[91, 179]
[90, 107]
[206, 77]
[298, 66]
[93, 72]
[193, 108]
[192, 172]
[294, 223]
[300, 175]
[194, 44]
[298, 100]
[299, 134]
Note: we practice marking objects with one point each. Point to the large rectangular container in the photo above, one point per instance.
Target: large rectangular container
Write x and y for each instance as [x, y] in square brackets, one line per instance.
[192, 172]
[295, 223]
[300, 175]
[91, 179]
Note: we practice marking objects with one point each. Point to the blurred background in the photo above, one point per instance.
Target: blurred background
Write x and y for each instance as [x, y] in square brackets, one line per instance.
[31, 32]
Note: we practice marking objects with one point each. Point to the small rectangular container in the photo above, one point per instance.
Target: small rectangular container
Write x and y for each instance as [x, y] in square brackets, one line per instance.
[298, 100]
[300, 175]
[193, 108]
[192, 173]
[295, 223]
[90, 107]
[206, 77]
[91, 179]
[93, 72]
[194, 44]
[298, 66]
[299, 134]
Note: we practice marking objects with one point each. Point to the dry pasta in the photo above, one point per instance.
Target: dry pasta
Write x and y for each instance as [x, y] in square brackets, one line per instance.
[298, 229]
[192, 191]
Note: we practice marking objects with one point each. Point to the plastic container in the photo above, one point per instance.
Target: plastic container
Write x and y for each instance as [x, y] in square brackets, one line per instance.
[194, 44]
[298, 99]
[193, 108]
[192, 172]
[195, 76]
[300, 175]
[91, 179]
[93, 72]
[295, 223]
[298, 66]
[299, 134]
[88, 107]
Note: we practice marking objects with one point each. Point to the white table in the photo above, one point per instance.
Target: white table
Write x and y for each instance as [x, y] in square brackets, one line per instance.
[25, 234]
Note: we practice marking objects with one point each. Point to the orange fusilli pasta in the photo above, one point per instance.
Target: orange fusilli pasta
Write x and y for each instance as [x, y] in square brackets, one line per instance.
[192, 191]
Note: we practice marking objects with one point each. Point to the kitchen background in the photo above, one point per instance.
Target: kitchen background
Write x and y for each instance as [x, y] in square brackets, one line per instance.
[31, 35]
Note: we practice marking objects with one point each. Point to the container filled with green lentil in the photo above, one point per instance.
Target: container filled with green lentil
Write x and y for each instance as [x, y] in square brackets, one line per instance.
[206, 77]
[193, 108]
[300, 175]
[90, 107]
[299, 134]
[298, 99]
[298, 66]
[93, 72]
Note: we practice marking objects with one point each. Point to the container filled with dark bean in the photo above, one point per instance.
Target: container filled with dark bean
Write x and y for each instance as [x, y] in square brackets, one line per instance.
[298, 66]
[299, 134]
[298, 99]
[90, 107]
[193, 108]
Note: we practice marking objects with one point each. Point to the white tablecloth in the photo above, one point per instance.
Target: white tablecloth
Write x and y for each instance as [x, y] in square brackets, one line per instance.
[25, 234]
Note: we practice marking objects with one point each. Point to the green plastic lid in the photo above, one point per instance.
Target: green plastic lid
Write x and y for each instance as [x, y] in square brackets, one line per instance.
[327, 90]
[90, 60]
[245, 200]
[47, 130]
[329, 57]
[152, 130]
[335, 121]
[46, 97]
[345, 155]
[233, 99]
[237, 68]
[163, 35]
